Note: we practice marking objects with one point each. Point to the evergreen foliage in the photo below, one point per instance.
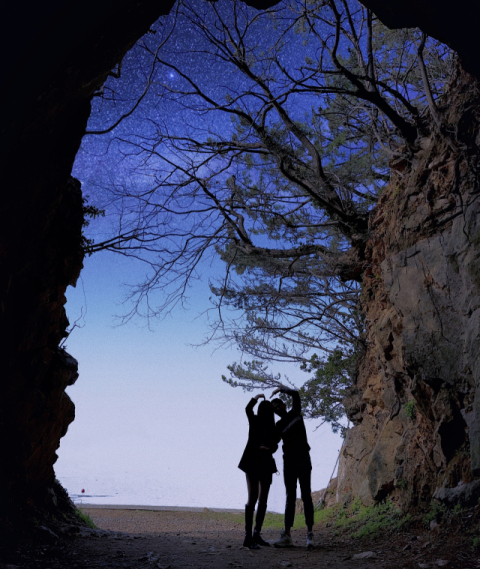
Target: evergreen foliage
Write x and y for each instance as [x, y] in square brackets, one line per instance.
[275, 171]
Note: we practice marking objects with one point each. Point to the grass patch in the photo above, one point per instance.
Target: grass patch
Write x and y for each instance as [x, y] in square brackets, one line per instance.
[355, 520]
[275, 521]
[411, 409]
[359, 521]
[86, 519]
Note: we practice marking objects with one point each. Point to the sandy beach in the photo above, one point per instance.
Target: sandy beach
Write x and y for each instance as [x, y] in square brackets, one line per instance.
[195, 522]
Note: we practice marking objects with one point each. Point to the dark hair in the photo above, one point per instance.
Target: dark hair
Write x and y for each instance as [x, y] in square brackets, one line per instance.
[265, 414]
[276, 401]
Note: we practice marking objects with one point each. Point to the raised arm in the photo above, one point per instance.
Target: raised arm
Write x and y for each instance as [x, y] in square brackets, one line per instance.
[251, 404]
[296, 403]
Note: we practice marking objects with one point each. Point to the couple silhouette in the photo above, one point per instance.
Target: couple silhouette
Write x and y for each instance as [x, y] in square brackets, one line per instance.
[259, 465]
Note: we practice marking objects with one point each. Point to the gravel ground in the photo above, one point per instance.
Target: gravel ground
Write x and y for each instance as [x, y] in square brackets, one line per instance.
[142, 539]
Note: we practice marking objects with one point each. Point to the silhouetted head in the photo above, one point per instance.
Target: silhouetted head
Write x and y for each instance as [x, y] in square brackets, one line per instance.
[279, 407]
[265, 413]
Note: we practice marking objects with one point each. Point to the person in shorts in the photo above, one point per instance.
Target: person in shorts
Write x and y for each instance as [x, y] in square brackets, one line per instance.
[258, 464]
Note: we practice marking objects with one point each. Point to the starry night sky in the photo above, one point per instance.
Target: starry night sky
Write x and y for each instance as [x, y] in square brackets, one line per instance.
[102, 159]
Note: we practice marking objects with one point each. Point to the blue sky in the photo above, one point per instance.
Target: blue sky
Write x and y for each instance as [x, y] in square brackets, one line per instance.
[154, 423]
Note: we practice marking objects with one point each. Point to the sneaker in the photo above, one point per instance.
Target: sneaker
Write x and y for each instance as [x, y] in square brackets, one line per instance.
[310, 542]
[284, 541]
[250, 543]
[258, 539]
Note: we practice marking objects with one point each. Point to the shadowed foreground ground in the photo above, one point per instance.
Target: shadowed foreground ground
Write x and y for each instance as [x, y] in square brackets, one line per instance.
[135, 539]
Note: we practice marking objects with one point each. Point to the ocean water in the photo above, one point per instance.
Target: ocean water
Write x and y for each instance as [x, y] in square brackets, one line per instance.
[108, 472]
[127, 489]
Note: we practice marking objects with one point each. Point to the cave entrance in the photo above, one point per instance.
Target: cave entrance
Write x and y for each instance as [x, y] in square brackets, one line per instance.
[152, 412]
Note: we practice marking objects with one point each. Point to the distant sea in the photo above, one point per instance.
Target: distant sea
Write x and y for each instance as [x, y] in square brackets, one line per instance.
[149, 491]
[154, 458]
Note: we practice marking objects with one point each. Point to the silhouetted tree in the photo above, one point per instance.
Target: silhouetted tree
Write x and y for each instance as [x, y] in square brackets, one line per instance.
[274, 167]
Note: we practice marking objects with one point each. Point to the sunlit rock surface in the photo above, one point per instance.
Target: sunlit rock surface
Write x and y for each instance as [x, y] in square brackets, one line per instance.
[416, 403]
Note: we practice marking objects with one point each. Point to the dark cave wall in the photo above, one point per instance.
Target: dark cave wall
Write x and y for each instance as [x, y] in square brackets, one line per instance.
[34, 409]
[453, 23]
[59, 54]
[47, 95]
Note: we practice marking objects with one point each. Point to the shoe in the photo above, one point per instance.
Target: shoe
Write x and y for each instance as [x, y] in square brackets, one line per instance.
[250, 543]
[284, 541]
[258, 539]
[310, 542]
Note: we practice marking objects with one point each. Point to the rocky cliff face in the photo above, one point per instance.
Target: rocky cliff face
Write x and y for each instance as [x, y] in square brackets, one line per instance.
[35, 411]
[416, 404]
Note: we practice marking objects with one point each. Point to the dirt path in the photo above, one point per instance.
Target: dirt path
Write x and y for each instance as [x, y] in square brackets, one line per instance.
[134, 539]
[208, 540]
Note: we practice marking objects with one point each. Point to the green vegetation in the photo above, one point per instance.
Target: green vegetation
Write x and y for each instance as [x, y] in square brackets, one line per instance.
[367, 521]
[439, 512]
[355, 520]
[436, 512]
[323, 395]
[89, 212]
[411, 410]
[404, 522]
[459, 518]
[86, 519]
[275, 521]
